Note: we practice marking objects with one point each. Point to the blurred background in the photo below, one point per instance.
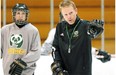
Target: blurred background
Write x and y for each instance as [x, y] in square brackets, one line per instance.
[44, 14]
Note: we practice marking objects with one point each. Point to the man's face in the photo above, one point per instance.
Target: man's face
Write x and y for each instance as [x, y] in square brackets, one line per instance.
[69, 14]
[20, 15]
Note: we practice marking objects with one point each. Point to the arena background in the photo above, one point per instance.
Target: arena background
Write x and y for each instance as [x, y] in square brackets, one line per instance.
[44, 14]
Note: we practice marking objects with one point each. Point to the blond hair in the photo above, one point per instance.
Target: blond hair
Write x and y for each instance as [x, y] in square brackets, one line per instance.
[66, 3]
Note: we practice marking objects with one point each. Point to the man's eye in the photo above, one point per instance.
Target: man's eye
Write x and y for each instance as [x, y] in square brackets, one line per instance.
[65, 14]
[17, 12]
[70, 13]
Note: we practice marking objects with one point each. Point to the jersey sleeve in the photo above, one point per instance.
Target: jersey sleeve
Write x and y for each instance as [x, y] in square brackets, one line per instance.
[34, 52]
[0, 46]
[47, 45]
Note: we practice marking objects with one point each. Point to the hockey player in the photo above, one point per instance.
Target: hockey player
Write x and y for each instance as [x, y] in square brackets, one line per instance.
[72, 42]
[20, 42]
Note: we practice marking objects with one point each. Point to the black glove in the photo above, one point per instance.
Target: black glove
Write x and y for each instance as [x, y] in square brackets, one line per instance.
[95, 28]
[17, 67]
[57, 69]
[106, 56]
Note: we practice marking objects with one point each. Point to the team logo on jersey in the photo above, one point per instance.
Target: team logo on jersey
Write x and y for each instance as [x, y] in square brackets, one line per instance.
[16, 40]
[62, 34]
[76, 34]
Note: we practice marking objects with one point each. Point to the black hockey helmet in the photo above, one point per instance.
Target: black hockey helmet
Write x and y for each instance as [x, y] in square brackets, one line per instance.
[20, 6]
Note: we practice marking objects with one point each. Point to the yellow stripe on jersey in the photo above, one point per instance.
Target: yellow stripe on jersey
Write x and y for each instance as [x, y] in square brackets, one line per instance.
[16, 51]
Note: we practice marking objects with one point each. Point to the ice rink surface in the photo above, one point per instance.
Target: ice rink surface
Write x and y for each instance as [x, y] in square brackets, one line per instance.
[98, 68]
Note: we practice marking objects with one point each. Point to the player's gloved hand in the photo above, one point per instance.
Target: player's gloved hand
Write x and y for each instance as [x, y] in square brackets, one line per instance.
[57, 69]
[103, 56]
[17, 67]
[95, 28]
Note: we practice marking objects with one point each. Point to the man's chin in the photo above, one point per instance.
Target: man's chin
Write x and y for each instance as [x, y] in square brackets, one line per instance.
[71, 23]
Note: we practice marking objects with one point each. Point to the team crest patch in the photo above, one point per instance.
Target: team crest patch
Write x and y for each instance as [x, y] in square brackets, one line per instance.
[76, 34]
[16, 40]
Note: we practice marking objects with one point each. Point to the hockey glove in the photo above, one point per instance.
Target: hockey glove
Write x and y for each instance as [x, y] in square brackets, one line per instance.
[106, 57]
[17, 67]
[95, 28]
[57, 69]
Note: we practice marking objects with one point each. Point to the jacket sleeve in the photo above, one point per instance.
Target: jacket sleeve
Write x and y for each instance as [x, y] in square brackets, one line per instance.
[55, 51]
[34, 52]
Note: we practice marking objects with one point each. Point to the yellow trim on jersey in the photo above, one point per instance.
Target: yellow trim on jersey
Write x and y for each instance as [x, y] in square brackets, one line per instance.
[16, 51]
